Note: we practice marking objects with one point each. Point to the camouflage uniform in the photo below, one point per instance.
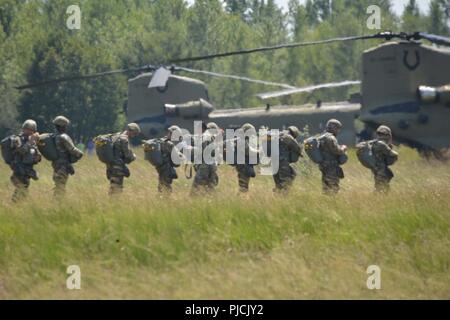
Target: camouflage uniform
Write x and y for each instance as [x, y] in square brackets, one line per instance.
[206, 177]
[118, 170]
[26, 155]
[331, 170]
[67, 154]
[385, 156]
[286, 174]
[246, 171]
[167, 172]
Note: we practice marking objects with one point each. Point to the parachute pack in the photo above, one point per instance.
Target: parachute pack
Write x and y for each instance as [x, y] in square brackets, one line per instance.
[104, 147]
[47, 146]
[312, 148]
[7, 150]
[153, 152]
[365, 154]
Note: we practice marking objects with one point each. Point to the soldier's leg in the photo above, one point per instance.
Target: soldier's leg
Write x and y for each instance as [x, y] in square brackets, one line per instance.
[244, 181]
[200, 179]
[213, 178]
[165, 181]
[330, 180]
[284, 178]
[21, 184]
[60, 178]
[381, 183]
[116, 185]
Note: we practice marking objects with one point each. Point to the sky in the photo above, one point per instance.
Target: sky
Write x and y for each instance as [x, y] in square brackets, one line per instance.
[398, 5]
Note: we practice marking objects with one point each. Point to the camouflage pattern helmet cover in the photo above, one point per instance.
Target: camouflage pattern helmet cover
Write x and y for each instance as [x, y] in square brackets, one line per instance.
[294, 131]
[173, 128]
[333, 125]
[248, 126]
[30, 124]
[212, 125]
[133, 127]
[384, 131]
[61, 121]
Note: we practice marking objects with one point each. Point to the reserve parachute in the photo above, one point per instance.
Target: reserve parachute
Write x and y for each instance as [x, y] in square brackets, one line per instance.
[153, 152]
[312, 148]
[47, 146]
[365, 155]
[104, 147]
[7, 150]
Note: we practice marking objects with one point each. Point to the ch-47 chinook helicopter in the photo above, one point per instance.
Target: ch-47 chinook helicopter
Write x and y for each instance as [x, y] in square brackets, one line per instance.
[404, 85]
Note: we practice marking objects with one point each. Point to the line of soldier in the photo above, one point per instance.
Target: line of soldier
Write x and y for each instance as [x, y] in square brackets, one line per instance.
[25, 155]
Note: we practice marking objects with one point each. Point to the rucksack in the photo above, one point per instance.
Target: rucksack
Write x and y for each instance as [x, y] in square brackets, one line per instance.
[312, 148]
[365, 154]
[7, 150]
[153, 152]
[104, 147]
[47, 147]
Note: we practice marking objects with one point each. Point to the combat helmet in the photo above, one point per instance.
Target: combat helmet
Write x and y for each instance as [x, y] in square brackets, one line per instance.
[61, 121]
[212, 126]
[333, 126]
[384, 131]
[30, 124]
[294, 131]
[248, 126]
[134, 127]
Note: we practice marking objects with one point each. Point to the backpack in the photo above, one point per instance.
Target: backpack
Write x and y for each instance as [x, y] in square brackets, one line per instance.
[312, 148]
[7, 150]
[365, 154]
[153, 152]
[47, 147]
[104, 147]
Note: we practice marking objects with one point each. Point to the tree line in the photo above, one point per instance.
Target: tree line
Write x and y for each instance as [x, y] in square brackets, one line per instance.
[36, 45]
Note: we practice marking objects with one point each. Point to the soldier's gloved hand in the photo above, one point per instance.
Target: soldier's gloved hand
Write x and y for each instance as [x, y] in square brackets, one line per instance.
[344, 148]
[34, 138]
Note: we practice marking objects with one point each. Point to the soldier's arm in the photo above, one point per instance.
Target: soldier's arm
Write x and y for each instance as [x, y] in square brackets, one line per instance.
[334, 147]
[128, 154]
[388, 151]
[70, 146]
[292, 144]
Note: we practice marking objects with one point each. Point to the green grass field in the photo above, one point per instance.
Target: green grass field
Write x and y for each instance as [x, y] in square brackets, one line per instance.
[228, 246]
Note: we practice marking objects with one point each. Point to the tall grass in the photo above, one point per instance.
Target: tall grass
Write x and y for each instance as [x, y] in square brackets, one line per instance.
[255, 246]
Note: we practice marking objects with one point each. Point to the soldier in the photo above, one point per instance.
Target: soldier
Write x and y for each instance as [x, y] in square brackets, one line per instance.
[67, 155]
[206, 177]
[123, 155]
[246, 171]
[167, 172]
[385, 156]
[289, 152]
[26, 155]
[332, 152]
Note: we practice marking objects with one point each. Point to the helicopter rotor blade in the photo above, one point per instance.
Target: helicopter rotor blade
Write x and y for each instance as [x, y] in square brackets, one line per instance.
[85, 77]
[228, 76]
[439, 40]
[382, 35]
[288, 92]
